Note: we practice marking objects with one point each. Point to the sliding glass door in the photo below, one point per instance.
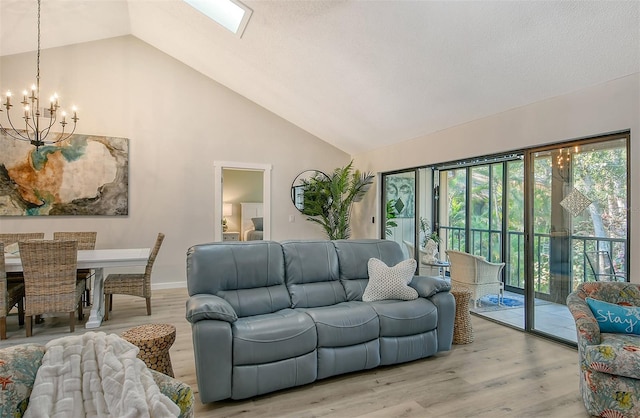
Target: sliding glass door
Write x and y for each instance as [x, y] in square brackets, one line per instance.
[556, 216]
[482, 213]
[579, 204]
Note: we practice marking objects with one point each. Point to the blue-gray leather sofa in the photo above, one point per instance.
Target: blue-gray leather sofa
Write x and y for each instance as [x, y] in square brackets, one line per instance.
[267, 316]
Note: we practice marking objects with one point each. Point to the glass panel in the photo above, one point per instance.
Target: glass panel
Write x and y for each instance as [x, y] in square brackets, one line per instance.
[579, 207]
[399, 217]
[453, 206]
[430, 255]
[486, 211]
[515, 268]
[495, 212]
[479, 208]
[600, 175]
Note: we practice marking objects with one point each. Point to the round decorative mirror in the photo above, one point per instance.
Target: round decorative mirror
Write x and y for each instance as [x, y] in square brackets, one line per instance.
[298, 186]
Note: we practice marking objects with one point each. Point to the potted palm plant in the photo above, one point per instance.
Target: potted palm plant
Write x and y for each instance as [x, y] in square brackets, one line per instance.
[328, 200]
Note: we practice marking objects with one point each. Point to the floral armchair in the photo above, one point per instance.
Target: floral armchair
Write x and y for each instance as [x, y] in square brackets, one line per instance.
[609, 363]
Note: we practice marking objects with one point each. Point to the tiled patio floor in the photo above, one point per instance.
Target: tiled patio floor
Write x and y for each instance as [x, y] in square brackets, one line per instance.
[550, 318]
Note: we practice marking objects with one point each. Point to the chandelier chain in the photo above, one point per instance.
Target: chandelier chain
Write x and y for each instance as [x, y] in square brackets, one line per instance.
[38, 56]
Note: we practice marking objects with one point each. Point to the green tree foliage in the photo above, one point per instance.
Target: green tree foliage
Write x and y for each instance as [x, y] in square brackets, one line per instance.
[390, 216]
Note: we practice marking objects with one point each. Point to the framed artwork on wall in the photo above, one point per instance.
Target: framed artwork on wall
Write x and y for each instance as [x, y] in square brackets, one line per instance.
[82, 176]
[401, 190]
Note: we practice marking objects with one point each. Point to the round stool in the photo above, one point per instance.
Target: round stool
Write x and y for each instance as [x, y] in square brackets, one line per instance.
[154, 342]
[462, 329]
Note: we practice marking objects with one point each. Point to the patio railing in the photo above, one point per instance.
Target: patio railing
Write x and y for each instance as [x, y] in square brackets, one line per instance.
[487, 243]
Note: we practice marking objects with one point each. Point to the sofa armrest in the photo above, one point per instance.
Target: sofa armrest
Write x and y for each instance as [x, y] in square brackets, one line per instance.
[446, 304]
[429, 286]
[180, 393]
[586, 324]
[202, 306]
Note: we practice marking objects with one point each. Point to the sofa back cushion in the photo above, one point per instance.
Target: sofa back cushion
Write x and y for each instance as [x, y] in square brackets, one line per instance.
[353, 256]
[312, 273]
[248, 275]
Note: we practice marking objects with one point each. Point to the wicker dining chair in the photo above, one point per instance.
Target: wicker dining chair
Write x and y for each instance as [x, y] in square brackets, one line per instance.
[8, 239]
[11, 294]
[50, 283]
[86, 241]
[134, 284]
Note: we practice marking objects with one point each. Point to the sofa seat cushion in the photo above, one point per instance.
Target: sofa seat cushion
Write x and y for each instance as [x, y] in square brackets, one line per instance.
[617, 354]
[272, 337]
[333, 361]
[255, 379]
[394, 350]
[402, 318]
[345, 324]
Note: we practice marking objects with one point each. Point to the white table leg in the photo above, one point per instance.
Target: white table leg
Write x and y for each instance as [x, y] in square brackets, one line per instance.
[97, 309]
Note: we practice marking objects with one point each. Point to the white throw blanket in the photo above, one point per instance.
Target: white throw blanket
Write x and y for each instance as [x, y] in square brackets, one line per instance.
[96, 375]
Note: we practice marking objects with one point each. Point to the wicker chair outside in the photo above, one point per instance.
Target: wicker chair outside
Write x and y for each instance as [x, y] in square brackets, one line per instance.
[86, 241]
[475, 273]
[12, 294]
[50, 283]
[133, 284]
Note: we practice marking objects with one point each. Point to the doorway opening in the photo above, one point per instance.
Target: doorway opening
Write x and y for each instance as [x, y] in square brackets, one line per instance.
[241, 194]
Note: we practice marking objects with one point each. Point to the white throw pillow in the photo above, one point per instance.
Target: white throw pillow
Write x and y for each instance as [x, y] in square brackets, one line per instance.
[390, 282]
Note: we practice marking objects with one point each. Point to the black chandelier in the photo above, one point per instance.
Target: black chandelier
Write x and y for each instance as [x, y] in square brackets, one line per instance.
[33, 130]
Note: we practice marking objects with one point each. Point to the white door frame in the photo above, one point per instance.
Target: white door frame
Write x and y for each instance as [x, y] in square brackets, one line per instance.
[218, 166]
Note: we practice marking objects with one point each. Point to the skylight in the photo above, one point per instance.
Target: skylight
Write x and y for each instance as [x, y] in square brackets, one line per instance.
[231, 14]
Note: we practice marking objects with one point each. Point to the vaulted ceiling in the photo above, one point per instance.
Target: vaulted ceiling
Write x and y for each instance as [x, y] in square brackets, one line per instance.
[364, 74]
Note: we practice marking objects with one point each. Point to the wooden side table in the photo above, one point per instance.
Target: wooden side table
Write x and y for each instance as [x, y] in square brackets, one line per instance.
[154, 342]
[462, 328]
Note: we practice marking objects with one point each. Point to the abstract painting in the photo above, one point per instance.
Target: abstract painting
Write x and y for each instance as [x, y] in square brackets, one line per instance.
[83, 175]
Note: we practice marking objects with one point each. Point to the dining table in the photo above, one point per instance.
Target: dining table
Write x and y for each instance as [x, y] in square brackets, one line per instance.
[96, 260]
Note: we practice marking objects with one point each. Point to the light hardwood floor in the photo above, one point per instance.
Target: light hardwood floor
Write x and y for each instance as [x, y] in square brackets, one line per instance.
[503, 373]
